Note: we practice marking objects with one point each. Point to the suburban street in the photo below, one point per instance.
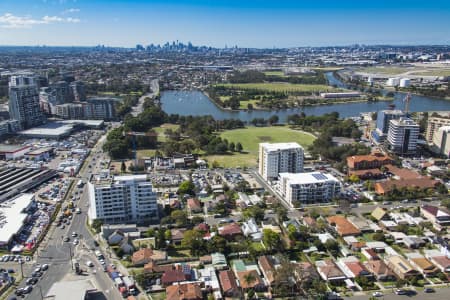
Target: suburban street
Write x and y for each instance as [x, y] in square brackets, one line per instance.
[56, 253]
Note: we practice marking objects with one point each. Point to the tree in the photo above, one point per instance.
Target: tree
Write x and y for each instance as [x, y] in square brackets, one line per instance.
[168, 234]
[161, 239]
[271, 239]
[179, 217]
[273, 119]
[123, 167]
[186, 187]
[97, 224]
[232, 147]
[193, 240]
[239, 147]
[378, 236]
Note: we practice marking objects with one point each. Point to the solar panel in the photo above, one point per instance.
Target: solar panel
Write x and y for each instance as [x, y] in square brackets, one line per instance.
[319, 176]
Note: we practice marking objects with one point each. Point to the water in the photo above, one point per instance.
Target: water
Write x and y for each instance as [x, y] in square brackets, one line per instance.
[195, 103]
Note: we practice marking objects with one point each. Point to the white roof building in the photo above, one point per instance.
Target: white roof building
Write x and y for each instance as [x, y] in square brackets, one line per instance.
[13, 216]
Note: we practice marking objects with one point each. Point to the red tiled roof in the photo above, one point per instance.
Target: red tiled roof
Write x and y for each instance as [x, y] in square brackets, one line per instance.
[267, 267]
[230, 229]
[343, 226]
[189, 291]
[227, 280]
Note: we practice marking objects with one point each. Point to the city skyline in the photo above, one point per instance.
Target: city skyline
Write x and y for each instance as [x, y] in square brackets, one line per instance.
[255, 24]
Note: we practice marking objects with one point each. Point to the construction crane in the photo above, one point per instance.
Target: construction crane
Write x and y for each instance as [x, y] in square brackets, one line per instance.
[134, 134]
[407, 99]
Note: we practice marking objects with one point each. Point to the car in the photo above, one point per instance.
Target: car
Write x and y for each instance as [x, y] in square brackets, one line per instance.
[102, 262]
[45, 267]
[68, 222]
[105, 269]
[10, 271]
[38, 269]
[89, 264]
[377, 294]
[19, 292]
[36, 274]
[400, 292]
[27, 258]
[27, 289]
[66, 239]
[75, 242]
[63, 226]
[429, 290]
[74, 234]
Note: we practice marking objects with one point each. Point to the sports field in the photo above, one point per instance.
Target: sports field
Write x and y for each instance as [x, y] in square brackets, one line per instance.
[250, 138]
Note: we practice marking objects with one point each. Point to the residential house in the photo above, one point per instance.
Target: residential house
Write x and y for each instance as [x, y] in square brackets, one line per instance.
[229, 285]
[380, 270]
[369, 161]
[361, 224]
[378, 247]
[305, 273]
[439, 217]
[342, 226]
[178, 273]
[379, 214]
[187, 291]
[438, 259]
[250, 279]
[194, 206]
[177, 235]
[267, 266]
[422, 264]
[230, 231]
[388, 225]
[251, 229]
[145, 255]
[208, 277]
[329, 271]
[309, 222]
[370, 253]
[352, 267]
[272, 225]
[413, 242]
[219, 261]
[401, 267]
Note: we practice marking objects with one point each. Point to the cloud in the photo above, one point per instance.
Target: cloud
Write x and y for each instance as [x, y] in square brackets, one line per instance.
[9, 20]
[71, 11]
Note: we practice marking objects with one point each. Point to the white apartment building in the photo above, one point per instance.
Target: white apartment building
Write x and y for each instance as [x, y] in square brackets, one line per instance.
[441, 141]
[308, 188]
[402, 136]
[122, 199]
[434, 123]
[279, 158]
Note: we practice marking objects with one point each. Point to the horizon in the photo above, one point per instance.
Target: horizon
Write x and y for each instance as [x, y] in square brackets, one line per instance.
[252, 24]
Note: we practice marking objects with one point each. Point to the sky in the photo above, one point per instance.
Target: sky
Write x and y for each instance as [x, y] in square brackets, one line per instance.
[220, 23]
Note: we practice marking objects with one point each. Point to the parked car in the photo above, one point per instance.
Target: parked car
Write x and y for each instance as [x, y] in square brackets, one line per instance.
[377, 294]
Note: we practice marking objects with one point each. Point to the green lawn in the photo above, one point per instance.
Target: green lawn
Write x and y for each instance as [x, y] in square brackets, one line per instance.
[274, 73]
[250, 138]
[159, 296]
[281, 87]
[244, 104]
[160, 130]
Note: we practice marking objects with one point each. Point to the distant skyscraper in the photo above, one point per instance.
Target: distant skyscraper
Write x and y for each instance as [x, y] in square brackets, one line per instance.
[24, 101]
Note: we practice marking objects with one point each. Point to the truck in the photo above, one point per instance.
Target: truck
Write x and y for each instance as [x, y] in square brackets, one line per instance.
[130, 284]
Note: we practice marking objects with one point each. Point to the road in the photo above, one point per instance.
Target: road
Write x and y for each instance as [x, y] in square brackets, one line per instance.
[439, 294]
[56, 253]
[154, 86]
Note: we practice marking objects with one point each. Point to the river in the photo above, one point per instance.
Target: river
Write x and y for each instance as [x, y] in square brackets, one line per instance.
[195, 103]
